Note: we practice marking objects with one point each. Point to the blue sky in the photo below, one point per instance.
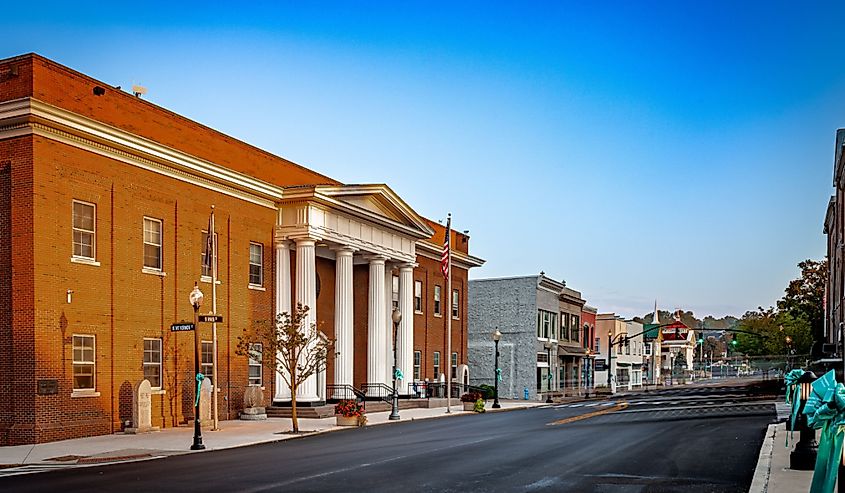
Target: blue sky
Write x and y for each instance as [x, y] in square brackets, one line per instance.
[636, 150]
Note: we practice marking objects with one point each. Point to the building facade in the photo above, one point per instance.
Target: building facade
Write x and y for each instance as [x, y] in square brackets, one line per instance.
[106, 201]
[541, 347]
[834, 228]
[588, 321]
[620, 349]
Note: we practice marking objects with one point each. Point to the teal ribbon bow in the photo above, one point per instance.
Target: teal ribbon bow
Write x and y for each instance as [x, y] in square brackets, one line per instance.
[499, 374]
[550, 376]
[825, 410]
[200, 378]
[792, 390]
[398, 374]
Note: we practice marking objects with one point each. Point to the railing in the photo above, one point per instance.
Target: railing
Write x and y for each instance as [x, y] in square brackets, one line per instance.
[377, 392]
[340, 392]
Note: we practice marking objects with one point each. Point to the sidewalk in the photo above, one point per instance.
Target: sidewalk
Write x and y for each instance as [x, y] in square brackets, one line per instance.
[773, 474]
[122, 447]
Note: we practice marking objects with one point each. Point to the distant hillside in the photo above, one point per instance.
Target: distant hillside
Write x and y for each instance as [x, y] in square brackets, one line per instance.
[688, 318]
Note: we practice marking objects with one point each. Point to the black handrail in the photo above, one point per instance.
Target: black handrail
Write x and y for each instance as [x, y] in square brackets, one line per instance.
[377, 391]
[345, 391]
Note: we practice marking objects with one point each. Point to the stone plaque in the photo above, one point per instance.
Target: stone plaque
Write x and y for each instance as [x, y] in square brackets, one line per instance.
[205, 404]
[253, 397]
[48, 387]
[142, 408]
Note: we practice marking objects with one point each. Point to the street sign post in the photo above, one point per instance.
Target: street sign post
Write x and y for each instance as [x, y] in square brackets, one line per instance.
[182, 327]
[211, 318]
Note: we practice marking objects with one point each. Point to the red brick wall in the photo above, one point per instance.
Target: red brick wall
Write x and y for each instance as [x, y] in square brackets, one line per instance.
[17, 361]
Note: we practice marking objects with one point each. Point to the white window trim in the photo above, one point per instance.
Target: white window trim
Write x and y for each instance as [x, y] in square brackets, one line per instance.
[93, 258]
[260, 365]
[216, 259]
[435, 300]
[455, 307]
[85, 391]
[261, 265]
[144, 267]
[418, 283]
[84, 261]
[159, 364]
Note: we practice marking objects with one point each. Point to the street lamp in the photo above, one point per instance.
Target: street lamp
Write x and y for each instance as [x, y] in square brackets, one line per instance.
[496, 336]
[394, 412]
[803, 458]
[196, 302]
[548, 346]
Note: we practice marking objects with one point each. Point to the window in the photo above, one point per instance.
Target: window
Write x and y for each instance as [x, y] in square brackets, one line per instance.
[207, 365]
[152, 362]
[576, 327]
[417, 364]
[545, 323]
[648, 349]
[84, 230]
[256, 264]
[256, 355]
[454, 366]
[564, 325]
[543, 358]
[418, 296]
[83, 362]
[437, 300]
[598, 344]
[206, 266]
[627, 346]
[152, 244]
[455, 303]
[436, 365]
[553, 328]
[395, 292]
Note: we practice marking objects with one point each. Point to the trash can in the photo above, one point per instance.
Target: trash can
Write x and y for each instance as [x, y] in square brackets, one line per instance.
[525, 393]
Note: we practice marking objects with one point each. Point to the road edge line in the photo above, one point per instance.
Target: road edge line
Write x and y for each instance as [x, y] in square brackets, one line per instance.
[760, 482]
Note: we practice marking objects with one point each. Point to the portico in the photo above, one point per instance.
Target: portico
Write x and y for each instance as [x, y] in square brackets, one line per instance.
[351, 225]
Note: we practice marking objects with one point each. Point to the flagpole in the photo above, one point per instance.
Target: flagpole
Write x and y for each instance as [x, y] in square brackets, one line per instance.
[449, 318]
[213, 261]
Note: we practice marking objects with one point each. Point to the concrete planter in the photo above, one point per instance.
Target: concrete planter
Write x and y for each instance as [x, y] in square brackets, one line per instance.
[347, 421]
[469, 406]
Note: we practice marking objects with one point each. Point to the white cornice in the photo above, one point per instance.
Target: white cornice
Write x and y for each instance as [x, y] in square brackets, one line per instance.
[30, 116]
[459, 259]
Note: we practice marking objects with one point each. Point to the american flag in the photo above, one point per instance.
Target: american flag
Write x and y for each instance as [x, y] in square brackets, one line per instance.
[444, 257]
[209, 245]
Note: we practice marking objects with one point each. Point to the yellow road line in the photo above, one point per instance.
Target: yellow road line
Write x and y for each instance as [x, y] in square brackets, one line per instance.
[619, 407]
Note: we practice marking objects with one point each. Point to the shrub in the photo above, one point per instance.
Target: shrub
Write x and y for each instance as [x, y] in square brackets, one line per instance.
[488, 391]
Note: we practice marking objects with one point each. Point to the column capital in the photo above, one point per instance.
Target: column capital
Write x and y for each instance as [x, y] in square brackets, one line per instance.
[344, 249]
[408, 266]
[376, 259]
[282, 243]
[305, 241]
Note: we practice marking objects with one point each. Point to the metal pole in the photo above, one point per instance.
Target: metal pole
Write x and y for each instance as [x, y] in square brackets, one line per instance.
[197, 445]
[496, 404]
[394, 413]
[609, 357]
[214, 382]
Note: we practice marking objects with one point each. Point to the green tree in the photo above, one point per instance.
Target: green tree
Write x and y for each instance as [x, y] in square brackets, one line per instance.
[300, 351]
[773, 332]
[803, 298]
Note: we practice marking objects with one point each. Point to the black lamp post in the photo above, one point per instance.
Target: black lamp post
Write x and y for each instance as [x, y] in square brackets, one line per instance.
[394, 412]
[803, 457]
[496, 336]
[196, 301]
[548, 346]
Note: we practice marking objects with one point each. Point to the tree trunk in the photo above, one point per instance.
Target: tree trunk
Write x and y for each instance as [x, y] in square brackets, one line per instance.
[294, 385]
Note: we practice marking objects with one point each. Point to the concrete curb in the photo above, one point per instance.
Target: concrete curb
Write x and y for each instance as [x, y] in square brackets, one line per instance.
[760, 482]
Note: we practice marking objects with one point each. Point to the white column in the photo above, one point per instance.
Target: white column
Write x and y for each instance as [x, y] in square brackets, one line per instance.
[388, 323]
[376, 330]
[405, 344]
[306, 294]
[282, 392]
[343, 301]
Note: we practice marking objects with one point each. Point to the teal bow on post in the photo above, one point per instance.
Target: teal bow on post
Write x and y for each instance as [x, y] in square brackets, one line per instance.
[792, 390]
[825, 410]
[398, 374]
[200, 378]
[499, 374]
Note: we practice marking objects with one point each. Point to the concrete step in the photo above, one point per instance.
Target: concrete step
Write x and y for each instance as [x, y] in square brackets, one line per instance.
[317, 412]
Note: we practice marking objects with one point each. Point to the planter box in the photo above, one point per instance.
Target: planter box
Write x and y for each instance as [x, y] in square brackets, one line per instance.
[469, 406]
[344, 421]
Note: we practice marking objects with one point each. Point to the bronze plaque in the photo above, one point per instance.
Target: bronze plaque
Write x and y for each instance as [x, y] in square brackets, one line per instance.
[48, 387]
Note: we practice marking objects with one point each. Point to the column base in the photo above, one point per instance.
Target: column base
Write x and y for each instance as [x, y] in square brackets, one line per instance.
[287, 403]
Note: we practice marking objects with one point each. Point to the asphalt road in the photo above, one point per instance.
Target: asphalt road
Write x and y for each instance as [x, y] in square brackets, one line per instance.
[702, 441]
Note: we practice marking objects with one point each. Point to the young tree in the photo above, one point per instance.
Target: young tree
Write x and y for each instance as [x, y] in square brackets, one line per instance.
[300, 351]
[803, 298]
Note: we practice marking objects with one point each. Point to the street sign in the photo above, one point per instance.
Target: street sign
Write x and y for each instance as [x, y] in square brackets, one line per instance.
[211, 318]
[182, 327]
[601, 364]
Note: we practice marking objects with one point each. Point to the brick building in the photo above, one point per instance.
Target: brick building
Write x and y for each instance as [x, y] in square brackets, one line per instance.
[105, 205]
